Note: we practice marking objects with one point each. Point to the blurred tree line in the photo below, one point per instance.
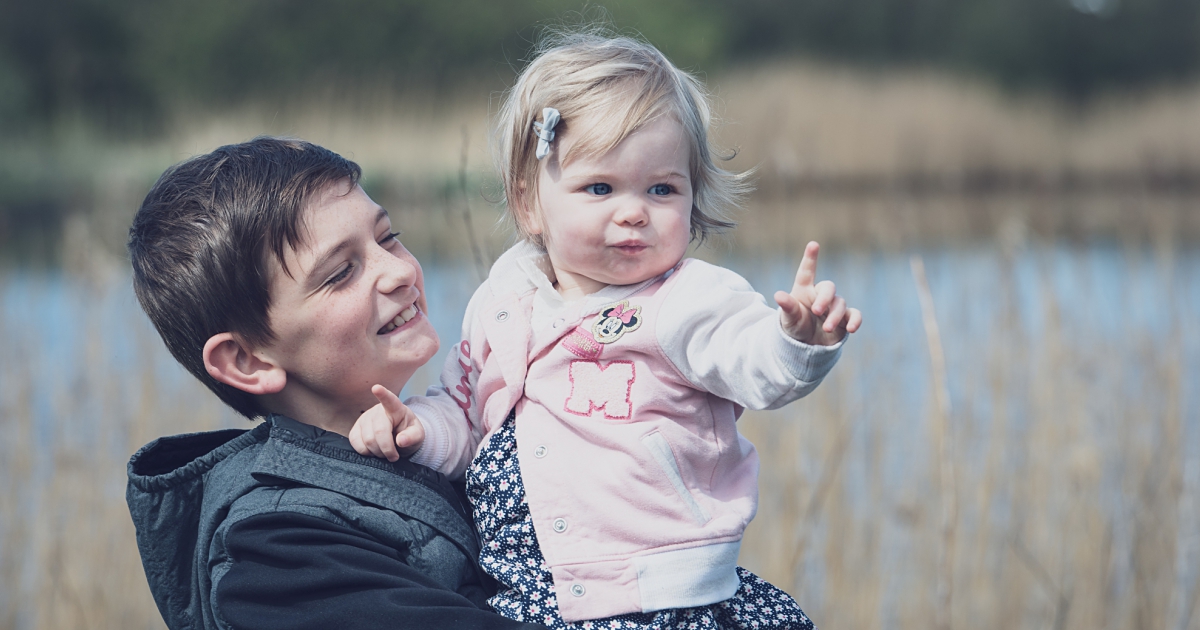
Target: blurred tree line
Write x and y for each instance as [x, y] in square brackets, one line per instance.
[123, 62]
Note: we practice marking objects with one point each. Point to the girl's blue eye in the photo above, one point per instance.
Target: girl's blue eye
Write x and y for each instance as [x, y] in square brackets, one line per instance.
[599, 189]
[660, 189]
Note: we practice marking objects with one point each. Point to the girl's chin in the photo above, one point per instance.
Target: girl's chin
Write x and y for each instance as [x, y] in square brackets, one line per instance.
[639, 270]
[634, 276]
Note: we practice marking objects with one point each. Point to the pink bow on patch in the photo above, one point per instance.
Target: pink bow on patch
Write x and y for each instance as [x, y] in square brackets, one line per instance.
[626, 316]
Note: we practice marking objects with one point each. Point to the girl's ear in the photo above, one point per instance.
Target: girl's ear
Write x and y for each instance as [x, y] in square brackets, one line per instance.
[230, 360]
[529, 218]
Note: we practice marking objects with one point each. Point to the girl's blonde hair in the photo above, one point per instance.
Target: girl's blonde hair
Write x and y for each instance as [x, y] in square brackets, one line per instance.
[618, 85]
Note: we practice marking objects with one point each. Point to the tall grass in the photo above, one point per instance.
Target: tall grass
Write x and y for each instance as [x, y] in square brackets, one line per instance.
[1075, 486]
[1075, 476]
[1078, 498]
[804, 122]
[69, 421]
[913, 142]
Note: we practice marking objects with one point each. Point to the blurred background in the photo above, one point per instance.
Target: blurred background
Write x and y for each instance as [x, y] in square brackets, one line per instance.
[1007, 188]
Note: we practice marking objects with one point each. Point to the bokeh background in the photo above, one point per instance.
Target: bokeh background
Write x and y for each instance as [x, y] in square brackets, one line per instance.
[1007, 188]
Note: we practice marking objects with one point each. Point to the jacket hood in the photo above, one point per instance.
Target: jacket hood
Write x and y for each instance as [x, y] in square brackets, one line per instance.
[167, 480]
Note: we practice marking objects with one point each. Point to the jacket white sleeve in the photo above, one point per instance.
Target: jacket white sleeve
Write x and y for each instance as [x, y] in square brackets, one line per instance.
[724, 338]
[450, 410]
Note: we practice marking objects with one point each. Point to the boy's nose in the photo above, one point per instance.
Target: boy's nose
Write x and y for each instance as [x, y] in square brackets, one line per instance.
[396, 272]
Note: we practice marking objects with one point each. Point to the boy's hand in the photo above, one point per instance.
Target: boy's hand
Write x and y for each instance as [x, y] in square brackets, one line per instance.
[372, 434]
[814, 313]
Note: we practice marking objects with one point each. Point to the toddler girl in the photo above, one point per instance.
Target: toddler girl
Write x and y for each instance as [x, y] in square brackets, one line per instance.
[593, 398]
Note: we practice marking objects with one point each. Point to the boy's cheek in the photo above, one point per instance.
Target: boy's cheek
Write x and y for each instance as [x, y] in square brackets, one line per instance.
[434, 342]
[422, 304]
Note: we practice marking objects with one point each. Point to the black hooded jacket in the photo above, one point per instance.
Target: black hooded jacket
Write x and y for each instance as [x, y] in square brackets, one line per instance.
[285, 526]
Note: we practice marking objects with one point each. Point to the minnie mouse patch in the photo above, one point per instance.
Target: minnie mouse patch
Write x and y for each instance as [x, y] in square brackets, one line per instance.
[615, 321]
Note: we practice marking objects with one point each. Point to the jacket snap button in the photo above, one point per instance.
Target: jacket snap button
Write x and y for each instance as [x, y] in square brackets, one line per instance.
[539, 451]
[577, 590]
[560, 525]
[501, 316]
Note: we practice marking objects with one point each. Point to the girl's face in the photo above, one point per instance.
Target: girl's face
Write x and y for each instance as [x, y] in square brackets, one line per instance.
[620, 218]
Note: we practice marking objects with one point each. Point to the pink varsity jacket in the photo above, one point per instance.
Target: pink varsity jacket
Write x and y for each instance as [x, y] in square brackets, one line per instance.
[626, 405]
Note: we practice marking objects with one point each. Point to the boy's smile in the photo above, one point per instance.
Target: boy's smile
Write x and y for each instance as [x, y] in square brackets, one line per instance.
[347, 313]
[619, 218]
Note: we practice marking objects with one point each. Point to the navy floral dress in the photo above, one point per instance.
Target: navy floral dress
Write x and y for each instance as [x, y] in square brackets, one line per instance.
[511, 555]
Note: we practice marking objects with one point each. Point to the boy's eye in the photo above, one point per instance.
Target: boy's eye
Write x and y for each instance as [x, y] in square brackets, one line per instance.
[661, 190]
[342, 274]
[599, 189]
[392, 236]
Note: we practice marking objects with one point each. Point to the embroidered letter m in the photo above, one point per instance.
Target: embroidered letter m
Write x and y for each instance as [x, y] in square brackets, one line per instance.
[595, 387]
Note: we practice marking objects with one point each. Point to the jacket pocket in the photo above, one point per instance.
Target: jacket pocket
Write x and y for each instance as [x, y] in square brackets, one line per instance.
[660, 450]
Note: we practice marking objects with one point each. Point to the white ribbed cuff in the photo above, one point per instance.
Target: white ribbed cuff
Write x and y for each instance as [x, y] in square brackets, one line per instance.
[436, 448]
[808, 363]
[687, 578]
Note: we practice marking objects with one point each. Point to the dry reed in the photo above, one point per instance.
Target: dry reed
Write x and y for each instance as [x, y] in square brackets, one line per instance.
[846, 144]
[70, 421]
[1075, 509]
[1077, 506]
[1047, 447]
[947, 488]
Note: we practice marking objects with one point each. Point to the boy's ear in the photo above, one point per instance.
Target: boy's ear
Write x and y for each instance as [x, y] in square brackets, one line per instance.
[230, 360]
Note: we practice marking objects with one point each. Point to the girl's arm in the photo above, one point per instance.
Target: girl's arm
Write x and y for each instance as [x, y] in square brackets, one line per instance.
[451, 414]
[724, 339]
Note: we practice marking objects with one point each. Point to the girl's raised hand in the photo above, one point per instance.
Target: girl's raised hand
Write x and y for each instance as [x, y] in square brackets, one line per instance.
[814, 313]
[389, 430]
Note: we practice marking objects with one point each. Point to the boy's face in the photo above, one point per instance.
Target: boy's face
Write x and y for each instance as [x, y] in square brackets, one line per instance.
[350, 315]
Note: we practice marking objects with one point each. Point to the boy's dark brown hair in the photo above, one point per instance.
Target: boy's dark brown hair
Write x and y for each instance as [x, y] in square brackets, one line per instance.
[201, 241]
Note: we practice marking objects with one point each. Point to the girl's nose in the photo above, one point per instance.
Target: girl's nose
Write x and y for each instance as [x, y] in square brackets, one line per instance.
[632, 212]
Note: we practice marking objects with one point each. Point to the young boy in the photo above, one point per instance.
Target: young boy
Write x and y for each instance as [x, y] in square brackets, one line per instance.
[275, 280]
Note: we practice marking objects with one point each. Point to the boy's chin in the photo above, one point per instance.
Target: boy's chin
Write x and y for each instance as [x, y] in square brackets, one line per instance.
[429, 341]
[402, 373]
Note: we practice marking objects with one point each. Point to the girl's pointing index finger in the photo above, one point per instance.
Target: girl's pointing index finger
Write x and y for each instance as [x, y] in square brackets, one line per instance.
[807, 274]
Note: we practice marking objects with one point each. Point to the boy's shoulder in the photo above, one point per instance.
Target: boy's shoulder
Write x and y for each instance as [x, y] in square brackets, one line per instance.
[185, 492]
[198, 476]
[179, 474]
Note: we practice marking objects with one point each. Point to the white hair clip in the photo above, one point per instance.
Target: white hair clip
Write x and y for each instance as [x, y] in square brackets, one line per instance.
[545, 130]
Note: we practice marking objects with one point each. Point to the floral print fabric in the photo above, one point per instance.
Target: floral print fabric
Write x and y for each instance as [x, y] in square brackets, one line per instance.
[512, 556]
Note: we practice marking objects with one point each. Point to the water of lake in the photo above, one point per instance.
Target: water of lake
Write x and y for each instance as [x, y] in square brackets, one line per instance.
[1099, 296]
